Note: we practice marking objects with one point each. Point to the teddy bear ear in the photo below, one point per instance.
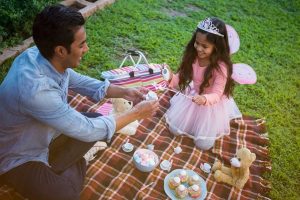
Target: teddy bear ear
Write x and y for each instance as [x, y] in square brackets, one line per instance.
[253, 156]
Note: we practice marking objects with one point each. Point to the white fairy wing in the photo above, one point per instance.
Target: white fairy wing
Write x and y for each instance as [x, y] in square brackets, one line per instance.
[233, 39]
[243, 74]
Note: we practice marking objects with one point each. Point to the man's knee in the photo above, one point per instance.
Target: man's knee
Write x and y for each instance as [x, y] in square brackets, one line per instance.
[35, 180]
[58, 192]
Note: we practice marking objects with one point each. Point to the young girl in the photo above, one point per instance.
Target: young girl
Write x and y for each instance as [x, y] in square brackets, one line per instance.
[204, 107]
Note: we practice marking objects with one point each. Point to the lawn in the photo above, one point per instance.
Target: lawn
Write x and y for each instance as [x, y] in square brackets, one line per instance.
[269, 34]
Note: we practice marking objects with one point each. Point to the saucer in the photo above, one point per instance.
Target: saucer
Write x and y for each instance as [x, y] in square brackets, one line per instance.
[127, 147]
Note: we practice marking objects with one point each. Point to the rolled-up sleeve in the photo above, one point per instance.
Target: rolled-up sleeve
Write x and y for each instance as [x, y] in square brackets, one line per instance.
[48, 107]
[87, 86]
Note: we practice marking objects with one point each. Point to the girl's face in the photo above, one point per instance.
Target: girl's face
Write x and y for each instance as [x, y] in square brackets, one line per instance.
[203, 47]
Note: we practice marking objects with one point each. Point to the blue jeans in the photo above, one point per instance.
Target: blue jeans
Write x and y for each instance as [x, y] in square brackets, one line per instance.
[63, 180]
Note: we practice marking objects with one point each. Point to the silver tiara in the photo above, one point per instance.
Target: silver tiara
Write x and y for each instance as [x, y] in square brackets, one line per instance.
[208, 26]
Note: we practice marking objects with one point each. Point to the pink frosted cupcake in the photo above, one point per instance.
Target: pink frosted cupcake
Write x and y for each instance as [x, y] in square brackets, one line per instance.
[183, 176]
[194, 191]
[194, 180]
[181, 191]
[174, 182]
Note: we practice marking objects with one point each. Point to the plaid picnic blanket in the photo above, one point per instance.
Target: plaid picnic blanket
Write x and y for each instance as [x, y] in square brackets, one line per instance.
[112, 174]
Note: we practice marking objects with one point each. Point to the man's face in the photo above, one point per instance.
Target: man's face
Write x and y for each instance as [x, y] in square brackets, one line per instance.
[78, 48]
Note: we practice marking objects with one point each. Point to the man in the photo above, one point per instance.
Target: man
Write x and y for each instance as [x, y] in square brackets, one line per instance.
[34, 109]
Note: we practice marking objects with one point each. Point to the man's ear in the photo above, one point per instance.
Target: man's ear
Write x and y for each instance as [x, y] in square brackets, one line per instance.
[60, 51]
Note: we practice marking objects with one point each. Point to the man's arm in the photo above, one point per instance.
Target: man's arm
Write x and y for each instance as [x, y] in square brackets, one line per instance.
[87, 86]
[48, 107]
[115, 91]
[142, 110]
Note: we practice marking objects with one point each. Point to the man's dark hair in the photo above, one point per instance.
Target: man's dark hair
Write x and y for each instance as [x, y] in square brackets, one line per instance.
[54, 26]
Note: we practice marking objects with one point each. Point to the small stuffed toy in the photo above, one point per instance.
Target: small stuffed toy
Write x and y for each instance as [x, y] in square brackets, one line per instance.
[121, 105]
[238, 174]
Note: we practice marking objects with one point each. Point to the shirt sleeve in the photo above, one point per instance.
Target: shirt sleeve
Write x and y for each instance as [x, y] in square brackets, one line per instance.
[217, 87]
[47, 106]
[87, 86]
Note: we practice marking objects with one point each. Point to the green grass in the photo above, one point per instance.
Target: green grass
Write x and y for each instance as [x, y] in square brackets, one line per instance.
[269, 34]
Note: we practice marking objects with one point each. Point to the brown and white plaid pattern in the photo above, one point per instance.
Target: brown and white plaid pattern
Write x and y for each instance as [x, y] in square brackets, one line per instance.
[112, 174]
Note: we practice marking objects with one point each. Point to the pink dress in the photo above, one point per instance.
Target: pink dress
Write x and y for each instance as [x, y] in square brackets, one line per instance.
[204, 123]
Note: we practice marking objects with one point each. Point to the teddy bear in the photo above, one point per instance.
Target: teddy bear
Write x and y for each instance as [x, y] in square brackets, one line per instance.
[121, 105]
[238, 174]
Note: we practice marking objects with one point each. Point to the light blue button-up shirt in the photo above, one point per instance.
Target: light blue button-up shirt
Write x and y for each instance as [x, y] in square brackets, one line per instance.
[34, 108]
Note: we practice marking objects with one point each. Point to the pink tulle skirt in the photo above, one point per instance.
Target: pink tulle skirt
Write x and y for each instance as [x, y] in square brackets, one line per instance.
[202, 123]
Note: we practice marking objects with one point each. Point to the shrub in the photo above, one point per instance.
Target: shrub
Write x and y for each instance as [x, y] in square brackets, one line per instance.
[16, 19]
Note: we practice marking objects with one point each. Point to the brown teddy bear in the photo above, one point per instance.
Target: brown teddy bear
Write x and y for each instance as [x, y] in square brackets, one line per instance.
[121, 105]
[238, 174]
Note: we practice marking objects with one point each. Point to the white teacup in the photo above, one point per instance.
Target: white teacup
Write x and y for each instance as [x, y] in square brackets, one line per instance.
[205, 167]
[178, 150]
[150, 147]
[151, 96]
[165, 165]
[166, 74]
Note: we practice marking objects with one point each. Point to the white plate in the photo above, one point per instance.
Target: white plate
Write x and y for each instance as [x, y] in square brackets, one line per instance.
[171, 193]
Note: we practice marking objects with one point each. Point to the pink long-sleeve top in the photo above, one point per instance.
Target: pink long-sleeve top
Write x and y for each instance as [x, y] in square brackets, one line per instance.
[215, 91]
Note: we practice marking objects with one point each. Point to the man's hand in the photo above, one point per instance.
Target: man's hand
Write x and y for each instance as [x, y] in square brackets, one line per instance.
[199, 99]
[143, 110]
[146, 109]
[135, 95]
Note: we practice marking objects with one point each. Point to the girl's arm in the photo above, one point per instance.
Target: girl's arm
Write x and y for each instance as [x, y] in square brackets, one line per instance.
[216, 90]
[174, 81]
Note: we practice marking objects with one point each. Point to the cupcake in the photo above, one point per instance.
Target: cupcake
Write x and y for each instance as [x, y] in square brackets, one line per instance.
[194, 180]
[174, 182]
[183, 176]
[181, 191]
[194, 191]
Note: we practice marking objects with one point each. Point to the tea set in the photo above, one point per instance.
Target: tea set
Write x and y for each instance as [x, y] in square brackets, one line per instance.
[165, 164]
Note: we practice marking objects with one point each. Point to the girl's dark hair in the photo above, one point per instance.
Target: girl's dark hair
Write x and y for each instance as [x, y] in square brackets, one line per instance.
[55, 25]
[219, 54]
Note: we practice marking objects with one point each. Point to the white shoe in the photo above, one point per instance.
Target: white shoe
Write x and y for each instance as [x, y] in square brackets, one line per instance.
[90, 155]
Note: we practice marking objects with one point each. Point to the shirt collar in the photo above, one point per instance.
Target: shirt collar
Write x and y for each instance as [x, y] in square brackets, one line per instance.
[48, 69]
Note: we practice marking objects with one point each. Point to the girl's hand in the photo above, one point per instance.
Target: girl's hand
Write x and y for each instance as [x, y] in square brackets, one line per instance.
[199, 99]
[135, 95]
